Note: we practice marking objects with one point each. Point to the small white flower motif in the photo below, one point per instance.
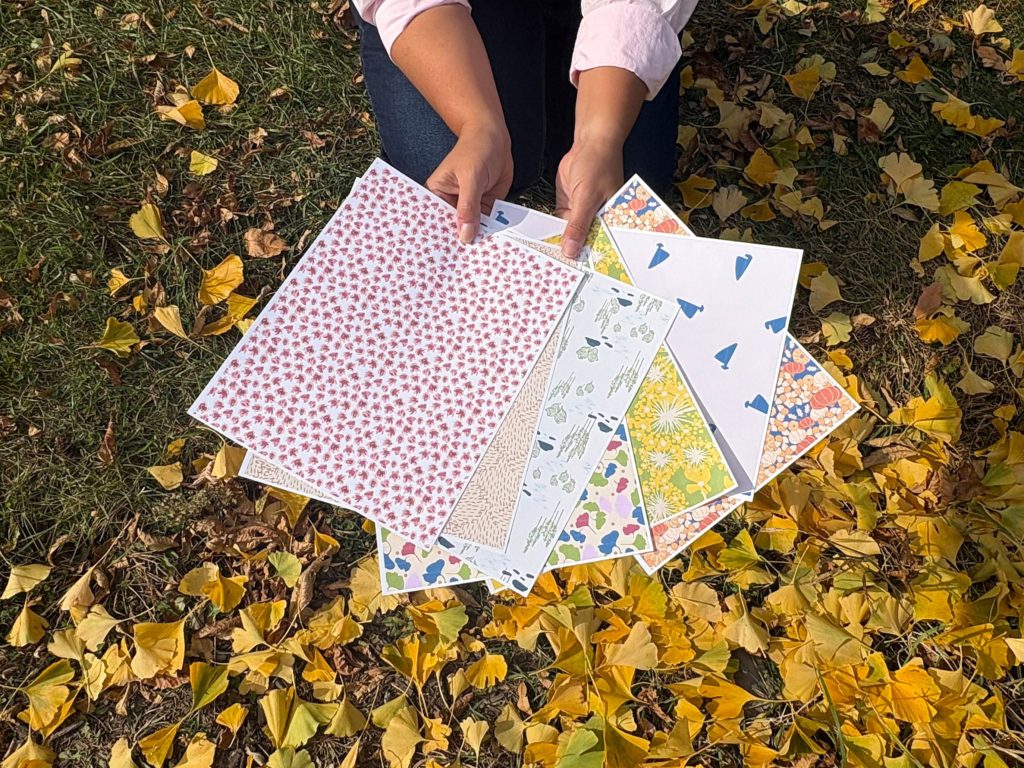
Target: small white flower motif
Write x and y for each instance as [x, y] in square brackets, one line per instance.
[670, 415]
[660, 459]
[655, 375]
[695, 455]
[658, 507]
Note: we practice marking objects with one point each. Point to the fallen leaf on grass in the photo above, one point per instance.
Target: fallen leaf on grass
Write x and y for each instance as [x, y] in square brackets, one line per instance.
[170, 318]
[263, 244]
[219, 281]
[200, 164]
[24, 578]
[995, 342]
[169, 476]
[28, 628]
[189, 114]
[216, 88]
[157, 746]
[118, 337]
[146, 223]
[159, 648]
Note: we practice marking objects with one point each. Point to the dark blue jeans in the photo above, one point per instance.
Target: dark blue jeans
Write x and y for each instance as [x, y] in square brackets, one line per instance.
[529, 44]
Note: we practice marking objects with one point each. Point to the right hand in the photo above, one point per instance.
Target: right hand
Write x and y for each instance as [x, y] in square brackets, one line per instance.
[474, 174]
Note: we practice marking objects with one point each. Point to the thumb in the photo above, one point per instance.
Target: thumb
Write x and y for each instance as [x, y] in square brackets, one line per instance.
[580, 217]
[468, 207]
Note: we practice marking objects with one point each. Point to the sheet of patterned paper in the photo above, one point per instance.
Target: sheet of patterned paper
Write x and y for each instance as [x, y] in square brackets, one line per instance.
[807, 406]
[611, 334]
[391, 351]
[526, 221]
[404, 567]
[609, 519]
[735, 299]
[483, 514]
[636, 206]
[255, 467]
[608, 522]
[679, 461]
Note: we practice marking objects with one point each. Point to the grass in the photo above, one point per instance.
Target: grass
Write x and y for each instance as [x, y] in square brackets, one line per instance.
[78, 155]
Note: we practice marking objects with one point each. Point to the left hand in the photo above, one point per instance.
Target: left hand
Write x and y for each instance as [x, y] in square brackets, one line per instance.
[589, 174]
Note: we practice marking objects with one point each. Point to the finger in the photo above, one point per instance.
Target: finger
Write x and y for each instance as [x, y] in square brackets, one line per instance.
[442, 184]
[468, 207]
[580, 217]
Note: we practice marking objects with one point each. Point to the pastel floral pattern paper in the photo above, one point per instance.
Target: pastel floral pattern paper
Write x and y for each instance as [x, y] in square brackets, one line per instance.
[610, 337]
[609, 519]
[404, 567]
[402, 367]
[808, 405]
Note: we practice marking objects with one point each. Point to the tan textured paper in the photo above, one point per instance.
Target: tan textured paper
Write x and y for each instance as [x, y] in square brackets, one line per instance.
[483, 515]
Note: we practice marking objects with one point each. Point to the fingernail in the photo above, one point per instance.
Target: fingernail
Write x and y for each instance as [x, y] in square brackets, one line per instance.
[571, 248]
[466, 233]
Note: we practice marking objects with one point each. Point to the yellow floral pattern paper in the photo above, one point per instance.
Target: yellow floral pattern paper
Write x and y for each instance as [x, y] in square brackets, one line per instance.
[679, 464]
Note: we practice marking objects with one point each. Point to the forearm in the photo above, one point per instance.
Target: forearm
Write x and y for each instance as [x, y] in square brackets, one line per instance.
[441, 53]
[607, 104]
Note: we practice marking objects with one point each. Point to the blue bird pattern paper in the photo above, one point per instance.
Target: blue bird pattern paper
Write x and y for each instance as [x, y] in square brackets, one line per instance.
[735, 299]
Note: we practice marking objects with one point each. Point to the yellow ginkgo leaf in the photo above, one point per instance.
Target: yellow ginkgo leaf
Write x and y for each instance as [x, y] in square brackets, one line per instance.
[324, 543]
[291, 722]
[159, 648]
[199, 753]
[49, 697]
[118, 337]
[221, 280]
[208, 681]
[28, 628]
[508, 729]
[30, 755]
[170, 318]
[486, 671]
[367, 599]
[147, 223]
[168, 475]
[915, 72]
[938, 416]
[200, 164]
[232, 717]
[762, 168]
[116, 281]
[346, 721]
[158, 745]
[216, 88]
[227, 462]
[982, 21]
[349, 761]
[944, 328]
[121, 755]
[287, 566]
[401, 736]
[24, 578]
[94, 628]
[995, 342]
[636, 651]
[804, 83]
[189, 114]
[824, 291]
[474, 732]
[79, 598]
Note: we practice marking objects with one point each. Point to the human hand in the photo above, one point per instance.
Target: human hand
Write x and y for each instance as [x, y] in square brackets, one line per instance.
[589, 174]
[474, 174]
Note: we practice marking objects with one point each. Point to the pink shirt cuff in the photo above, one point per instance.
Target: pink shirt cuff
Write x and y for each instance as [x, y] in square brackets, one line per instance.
[628, 36]
[391, 18]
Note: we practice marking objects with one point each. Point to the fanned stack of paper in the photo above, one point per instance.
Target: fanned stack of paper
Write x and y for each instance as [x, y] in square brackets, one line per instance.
[498, 412]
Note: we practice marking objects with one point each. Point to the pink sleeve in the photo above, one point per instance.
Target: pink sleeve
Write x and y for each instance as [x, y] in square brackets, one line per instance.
[391, 17]
[639, 35]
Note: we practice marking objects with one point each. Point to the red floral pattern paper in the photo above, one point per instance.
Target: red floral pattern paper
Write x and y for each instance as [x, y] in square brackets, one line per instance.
[385, 363]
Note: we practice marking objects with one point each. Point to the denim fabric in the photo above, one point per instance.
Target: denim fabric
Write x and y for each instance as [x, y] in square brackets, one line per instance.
[529, 44]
